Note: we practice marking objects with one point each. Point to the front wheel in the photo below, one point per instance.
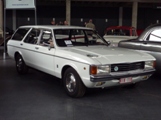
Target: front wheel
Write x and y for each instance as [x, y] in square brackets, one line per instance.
[73, 84]
[20, 65]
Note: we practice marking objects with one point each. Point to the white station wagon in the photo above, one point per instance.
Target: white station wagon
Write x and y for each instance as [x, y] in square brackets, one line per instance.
[78, 56]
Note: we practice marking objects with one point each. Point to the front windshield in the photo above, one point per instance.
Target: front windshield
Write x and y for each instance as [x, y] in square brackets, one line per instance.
[122, 32]
[77, 37]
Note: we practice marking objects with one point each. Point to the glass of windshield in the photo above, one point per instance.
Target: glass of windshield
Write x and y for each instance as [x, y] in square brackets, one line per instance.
[122, 32]
[77, 37]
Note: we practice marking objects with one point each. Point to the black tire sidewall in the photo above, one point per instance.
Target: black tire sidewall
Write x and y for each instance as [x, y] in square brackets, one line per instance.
[79, 84]
[23, 67]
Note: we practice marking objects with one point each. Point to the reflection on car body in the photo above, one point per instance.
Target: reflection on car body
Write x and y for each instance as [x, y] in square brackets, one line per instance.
[79, 56]
[149, 41]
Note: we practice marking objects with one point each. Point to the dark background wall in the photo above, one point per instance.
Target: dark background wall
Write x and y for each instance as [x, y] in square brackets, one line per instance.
[45, 14]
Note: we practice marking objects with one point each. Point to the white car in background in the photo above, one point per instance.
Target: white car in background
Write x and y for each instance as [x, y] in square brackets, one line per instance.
[78, 56]
[115, 34]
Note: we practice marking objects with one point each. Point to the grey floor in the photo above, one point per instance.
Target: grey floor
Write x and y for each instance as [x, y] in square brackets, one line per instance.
[38, 96]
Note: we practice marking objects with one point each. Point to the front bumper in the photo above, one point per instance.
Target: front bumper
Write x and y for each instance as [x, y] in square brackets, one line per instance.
[119, 75]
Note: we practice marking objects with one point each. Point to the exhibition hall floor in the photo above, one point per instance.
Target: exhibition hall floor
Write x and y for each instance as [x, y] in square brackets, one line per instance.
[39, 96]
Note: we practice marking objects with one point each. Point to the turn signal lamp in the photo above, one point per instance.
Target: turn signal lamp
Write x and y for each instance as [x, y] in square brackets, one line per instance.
[93, 70]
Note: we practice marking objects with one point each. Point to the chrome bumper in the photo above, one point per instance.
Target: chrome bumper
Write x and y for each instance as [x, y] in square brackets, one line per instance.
[113, 76]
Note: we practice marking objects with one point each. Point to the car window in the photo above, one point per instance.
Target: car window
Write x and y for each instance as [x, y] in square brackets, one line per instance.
[155, 35]
[32, 37]
[77, 37]
[134, 32]
[122, 32]
[62, 34]
[20, 33]
[46, 38]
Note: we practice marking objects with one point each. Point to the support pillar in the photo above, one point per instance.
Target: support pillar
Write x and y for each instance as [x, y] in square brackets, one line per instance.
[120, 16]
[68, 11]
[14, 19]
[1, 18]
[134, 14]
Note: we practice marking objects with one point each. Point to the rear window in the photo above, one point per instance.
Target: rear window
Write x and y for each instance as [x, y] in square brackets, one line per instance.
[20, 33]
[121, 32]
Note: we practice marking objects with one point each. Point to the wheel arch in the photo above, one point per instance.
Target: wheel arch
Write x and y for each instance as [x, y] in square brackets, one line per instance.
[69, 66]
[17, 53]
[77, 68]
[64, 69]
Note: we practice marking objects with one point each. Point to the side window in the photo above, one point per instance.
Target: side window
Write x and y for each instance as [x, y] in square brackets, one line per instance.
[155, 35]
[46, 38]
[32, 37]
[20, 33]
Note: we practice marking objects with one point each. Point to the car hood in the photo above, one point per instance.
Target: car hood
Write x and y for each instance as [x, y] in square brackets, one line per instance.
[108, 55]
[115, 38]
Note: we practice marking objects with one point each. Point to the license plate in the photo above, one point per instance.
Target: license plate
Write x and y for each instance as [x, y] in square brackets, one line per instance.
[126, 80]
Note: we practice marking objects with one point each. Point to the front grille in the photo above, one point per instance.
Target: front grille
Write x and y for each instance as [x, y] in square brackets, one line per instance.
[127, 66]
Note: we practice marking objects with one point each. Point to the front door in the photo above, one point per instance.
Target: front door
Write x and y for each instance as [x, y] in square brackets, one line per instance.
[40, 50]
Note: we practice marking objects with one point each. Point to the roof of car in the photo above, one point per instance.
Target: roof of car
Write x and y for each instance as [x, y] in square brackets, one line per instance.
[54, 27]
[153, 25]
[120, 27]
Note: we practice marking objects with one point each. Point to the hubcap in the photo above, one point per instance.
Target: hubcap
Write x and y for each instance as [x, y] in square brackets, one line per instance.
[19, 64]
[70, 82]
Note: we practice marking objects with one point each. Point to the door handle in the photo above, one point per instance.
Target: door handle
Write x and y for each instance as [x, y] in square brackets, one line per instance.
[145, 43]
[21, 43]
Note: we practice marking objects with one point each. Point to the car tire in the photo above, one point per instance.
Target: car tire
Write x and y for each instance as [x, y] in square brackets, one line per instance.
[73, 84]
[21, 67]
